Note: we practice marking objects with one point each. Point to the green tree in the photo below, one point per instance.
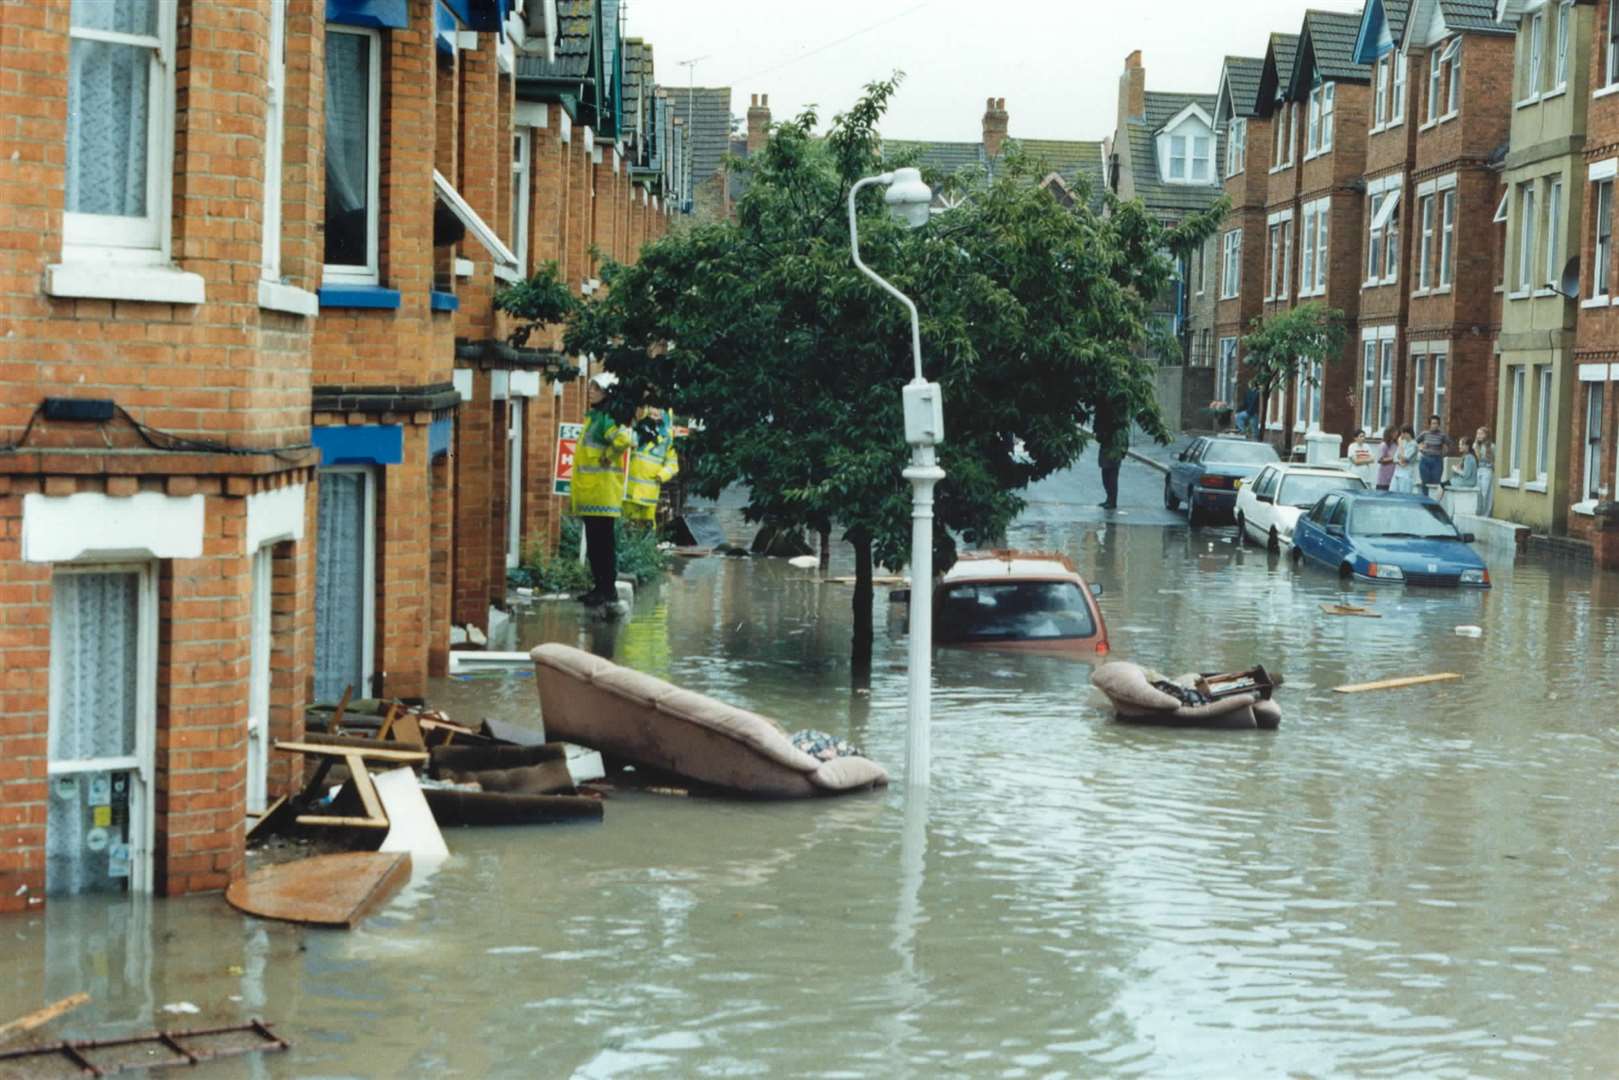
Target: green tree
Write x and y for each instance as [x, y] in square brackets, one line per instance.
[1291, 343]
[1033, 319]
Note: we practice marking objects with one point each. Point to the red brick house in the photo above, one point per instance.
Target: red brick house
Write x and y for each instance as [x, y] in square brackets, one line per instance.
[1281, 114]
[1245, 135]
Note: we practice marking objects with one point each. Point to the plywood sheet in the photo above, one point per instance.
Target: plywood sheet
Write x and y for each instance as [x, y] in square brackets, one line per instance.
[326, 890]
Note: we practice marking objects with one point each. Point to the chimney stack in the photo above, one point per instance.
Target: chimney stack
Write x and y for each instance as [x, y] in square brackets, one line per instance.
[758, 123]
[1133, 88]
[995, 125]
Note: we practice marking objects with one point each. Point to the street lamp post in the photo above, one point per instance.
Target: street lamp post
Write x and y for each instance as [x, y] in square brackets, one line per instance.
[909, 200]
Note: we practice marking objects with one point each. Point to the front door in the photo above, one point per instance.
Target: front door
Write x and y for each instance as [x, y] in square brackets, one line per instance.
[258, 706]
[103, 709]
[345, 582]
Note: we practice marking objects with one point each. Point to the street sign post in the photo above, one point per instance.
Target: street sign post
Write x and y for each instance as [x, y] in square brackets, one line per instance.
[567, 439]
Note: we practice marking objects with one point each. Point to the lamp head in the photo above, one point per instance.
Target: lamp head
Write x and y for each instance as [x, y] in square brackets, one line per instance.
[909, 199]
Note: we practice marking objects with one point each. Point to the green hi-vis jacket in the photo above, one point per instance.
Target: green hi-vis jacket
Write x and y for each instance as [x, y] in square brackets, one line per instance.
[651, 466]
[598, 467]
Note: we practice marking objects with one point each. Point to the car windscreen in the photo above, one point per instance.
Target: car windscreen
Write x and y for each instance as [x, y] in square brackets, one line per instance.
[1239, 453]
[1013, 611]
[1401, 519]
[1303, 489]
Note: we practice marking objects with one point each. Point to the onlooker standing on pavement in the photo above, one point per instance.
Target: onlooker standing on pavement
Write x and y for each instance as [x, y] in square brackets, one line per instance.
[1248, 415]
[1112, 443]
[1360, 457]
[1464, 475]
[1484, 450]
[1385, 459]
[1405, 462]
[1433, 444]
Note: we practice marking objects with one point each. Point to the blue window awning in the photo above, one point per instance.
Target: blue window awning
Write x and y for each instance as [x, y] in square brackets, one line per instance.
[375, 14]
[488, 16]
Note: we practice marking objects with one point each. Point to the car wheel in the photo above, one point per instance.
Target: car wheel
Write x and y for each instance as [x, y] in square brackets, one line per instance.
[1274, 542]
[1242, 531]
[1297, 557]
[1345, 572]
[1194, 516]
[1170, 502]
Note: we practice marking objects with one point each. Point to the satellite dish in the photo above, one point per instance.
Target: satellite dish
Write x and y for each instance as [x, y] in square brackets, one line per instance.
[1569, 284]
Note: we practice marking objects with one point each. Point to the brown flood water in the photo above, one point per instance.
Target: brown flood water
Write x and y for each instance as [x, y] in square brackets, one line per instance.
[1418, 882]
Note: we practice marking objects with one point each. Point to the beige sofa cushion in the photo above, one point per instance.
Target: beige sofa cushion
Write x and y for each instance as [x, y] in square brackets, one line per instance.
[762, 734]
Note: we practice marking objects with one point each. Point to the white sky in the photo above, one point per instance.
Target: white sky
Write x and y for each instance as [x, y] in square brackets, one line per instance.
[1056, 62]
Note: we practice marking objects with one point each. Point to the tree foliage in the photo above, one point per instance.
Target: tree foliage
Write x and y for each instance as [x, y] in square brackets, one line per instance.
[1034, 316]
[1291, 343]
[540, 301]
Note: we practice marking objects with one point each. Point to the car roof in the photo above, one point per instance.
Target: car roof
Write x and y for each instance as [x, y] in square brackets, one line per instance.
[1394, 496]
[1034, 565]
[1320, 470]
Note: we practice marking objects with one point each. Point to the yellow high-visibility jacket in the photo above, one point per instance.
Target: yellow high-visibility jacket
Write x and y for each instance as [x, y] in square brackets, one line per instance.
[598, 467]
[651, 466]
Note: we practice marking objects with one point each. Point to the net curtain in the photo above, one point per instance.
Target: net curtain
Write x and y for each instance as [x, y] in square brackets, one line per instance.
[108, 106]
[348, 118]
[340, 586]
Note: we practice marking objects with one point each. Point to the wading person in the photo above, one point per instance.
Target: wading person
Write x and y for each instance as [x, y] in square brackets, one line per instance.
[653, 464]
[597, 496]
[1433, 444]
[1112, 440]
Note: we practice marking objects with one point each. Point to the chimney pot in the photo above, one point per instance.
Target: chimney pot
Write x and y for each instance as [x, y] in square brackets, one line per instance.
[758, 123]
[995, 126]
[1133, 88]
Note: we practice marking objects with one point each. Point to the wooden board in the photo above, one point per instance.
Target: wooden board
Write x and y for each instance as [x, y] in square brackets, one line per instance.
[1395, 684]
[453, 807]
[40, 1017]
[409, 757]
[1349, 609]
[327, 890]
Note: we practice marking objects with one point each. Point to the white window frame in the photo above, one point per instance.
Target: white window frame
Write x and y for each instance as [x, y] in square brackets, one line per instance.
[1602, 247]
[1227, 372]
[1375, 202]
[1402, 69]
[1280, 140]
[1308, 401]
[1202, 157]
[1438, 357]
[143, 763]
[1312, 136]
[1447, 238]
[370, 273]
[1288, 229]
[275, 111]
[260, 647]
[1307, 248]
[1453, 94]
[1178, 155]
[1329, 99]
[1380, 95]
[1435, 62]
[1593, 440]
[522, 191]
[1236, 149]
[1273, 233]
[1535, 61]
[1543, 423]
[1554, 208]
[1231, 265]
[116, 237]
[1368, 383]
[1517, 383]
[1526, 237]
[1565, 12]
[1425, 242]
[368, 587]
[1385, 387]
[1610, 67]
[1419, 385]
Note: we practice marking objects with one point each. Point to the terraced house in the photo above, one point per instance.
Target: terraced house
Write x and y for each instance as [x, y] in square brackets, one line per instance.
[1545, 167]
[252, 249]
[1244, 138]
[1281, 115]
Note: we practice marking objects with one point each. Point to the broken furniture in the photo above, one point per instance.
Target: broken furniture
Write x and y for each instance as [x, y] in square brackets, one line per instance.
[630, 716]
[1129, 687]
[324, 890]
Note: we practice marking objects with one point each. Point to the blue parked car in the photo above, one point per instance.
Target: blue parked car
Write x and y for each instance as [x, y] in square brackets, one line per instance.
[1378, 536]
[1206, 475]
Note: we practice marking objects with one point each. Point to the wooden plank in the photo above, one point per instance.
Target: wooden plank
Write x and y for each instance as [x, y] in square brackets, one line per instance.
[337, 717]
[1395, 684]
[341, 822]
[362, 783]
[269, 815]
[407, 731]
[388, 721]
[41, 1017]
[1349, 609]
[407, 756]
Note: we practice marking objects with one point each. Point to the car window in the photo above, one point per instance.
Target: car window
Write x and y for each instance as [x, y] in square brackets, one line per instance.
[1195, 449]
[1258, 482]
[1340, 513]
[1401, 518]
[1303, 489]
[1232, 452]
[1013, 611]
[1323, 509]
[1268, 489]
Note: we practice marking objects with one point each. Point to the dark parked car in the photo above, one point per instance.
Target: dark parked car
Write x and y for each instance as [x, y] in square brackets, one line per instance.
[1380, 536]
[1204, 476]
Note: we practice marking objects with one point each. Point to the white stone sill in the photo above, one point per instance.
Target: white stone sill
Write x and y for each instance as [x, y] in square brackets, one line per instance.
[1605, 91]
[154, 284]
[277, 296]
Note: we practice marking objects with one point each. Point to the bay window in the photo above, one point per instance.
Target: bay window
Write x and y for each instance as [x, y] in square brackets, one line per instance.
[1307, 252]
[120, 128]
[1236, 147]
[1391, 239]
[1383, 234]
[1610, 65]
[521, 142]
[1321, 118]
[1565, 12]
[1385, 386]
[1287, 256]
[274, 126]
[1275, 260]
[1453, 58]
[1526, 237]
[1374, 239]
[1554, 206]
[1532, 66]
[1593, 440]
[1515, 382]
[1434, 83]
[353, 127]
[1380, 98]
[1368, 384]
[1231, 270]
[1543, 423]
[1226, 389]
[1438, 384]
[1419, 390]
[1397, 105]
[1425, 243]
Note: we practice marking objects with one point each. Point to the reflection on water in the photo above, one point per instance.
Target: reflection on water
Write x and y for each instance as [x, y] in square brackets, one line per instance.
[1415, 882]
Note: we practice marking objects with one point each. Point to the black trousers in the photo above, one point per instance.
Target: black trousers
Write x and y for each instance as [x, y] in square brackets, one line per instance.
[1110, 481]
[602, 554]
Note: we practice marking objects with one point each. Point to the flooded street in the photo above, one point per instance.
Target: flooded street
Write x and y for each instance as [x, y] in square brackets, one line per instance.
[1415, 882]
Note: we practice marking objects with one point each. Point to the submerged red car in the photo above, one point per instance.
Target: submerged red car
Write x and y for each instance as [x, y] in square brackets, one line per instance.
[1027, 600]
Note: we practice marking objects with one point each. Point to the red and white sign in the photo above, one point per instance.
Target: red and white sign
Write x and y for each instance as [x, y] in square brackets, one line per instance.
[567, 440]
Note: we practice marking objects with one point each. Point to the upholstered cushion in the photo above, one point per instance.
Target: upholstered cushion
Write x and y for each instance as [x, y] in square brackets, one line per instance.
[633, 685]
[848, 774]
[1129, 686]
[762, 734]
[575, 662]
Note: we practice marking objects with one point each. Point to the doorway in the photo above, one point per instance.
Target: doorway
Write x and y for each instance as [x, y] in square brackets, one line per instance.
[345, 581]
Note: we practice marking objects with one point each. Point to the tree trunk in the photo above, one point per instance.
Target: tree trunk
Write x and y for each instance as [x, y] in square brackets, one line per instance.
[863, 594]
[826, 547]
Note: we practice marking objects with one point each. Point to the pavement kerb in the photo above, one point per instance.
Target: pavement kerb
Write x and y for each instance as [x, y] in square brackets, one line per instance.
[1145, 460]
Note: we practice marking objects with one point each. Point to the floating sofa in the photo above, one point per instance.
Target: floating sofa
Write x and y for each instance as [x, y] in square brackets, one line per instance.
[634, 717]
[1129, 687]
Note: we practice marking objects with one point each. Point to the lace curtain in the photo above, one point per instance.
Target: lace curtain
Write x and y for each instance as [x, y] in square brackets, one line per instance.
[107, 112]
[340, 587]
[348, 121]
